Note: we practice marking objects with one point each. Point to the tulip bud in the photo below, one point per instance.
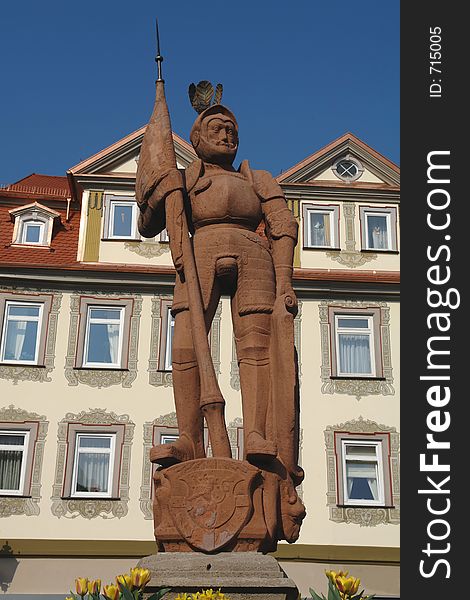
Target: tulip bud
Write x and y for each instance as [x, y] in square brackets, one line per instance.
[81, 586]
[111, 592]
[94, 587]
[124, 580]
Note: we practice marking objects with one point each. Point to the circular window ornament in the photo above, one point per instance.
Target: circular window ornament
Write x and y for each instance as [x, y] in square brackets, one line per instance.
[348, 169]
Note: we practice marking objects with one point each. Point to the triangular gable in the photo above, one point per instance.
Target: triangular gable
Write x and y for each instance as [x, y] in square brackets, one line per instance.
[319, 167]
[120, 159]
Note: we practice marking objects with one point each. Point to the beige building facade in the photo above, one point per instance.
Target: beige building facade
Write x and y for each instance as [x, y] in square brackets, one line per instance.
[85, 377]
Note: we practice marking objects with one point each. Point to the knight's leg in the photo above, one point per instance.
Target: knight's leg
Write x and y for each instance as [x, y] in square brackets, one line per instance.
[186, 390]
[252, 336]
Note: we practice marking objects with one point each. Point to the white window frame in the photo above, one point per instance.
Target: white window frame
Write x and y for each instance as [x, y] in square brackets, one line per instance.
[24, 460]
[358, 330]
[25, 223]
[120, 321]
[7, 318]
[371, 213]
[111, 205]
[170, 323]
[333, 212]
[111, 451]
[390, 213]
[377, 444]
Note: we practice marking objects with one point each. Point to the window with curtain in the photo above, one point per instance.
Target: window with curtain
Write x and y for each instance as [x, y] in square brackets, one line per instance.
[13, 451]
[21, 332]
[320, 226]
[93, 465]
[362, 472]
[103, 337]
[378, 228]
[354, 345]
[377, 232]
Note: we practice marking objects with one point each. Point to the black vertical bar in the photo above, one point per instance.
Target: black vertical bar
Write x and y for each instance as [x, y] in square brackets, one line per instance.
[434, 120]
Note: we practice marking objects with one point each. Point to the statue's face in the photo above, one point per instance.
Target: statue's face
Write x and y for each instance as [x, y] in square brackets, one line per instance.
[218, 140]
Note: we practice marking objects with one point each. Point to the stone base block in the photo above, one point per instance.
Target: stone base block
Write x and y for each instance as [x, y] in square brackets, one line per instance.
[240, 575]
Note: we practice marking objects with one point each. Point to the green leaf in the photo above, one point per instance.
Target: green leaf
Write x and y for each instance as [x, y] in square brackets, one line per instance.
[73, 595]
[127, 594]
[159, 594]
[315, 596]
[333, 592]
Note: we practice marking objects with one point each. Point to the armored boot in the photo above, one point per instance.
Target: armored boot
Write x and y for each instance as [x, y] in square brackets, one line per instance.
[253, 361]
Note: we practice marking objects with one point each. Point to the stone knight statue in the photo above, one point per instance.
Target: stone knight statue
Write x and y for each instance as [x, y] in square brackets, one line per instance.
[212, 212]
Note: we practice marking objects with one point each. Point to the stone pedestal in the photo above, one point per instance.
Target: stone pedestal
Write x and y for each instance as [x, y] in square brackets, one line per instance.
[239, 575]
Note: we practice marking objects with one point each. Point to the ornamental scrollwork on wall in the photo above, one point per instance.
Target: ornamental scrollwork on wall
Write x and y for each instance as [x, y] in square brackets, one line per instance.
[356, 387]
[99, 378]
[147, 249]
[158, 376]
[350, 257]
[369, 516]
[17, 505]
[40, 373]
[234, 370]
[90, 508]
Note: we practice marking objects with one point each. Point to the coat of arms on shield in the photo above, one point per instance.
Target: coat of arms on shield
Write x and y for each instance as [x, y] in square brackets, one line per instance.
[210, 500]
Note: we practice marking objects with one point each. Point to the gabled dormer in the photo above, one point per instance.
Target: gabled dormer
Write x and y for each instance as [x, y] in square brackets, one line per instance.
[347, 160]
[33, 224]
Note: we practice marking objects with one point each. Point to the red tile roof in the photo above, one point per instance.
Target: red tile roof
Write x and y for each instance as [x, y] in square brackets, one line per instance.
[48, 185]
[50, 191]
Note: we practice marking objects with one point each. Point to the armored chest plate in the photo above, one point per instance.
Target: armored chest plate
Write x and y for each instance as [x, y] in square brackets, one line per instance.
[225, 198]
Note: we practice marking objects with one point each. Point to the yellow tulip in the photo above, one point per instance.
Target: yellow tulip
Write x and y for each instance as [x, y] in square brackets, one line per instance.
[140, 577]
[347, 585]
[81, 586]
[124, 580]
[111, 592]
[94, 586]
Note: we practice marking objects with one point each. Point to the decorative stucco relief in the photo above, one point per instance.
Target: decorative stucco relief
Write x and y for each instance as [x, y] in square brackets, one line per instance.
[356, 387]
[98, 378]
[350, 257]
[364, 516]
[20, 505]
[157, 376]
[90, 508]
[147, 249]
[39, 373]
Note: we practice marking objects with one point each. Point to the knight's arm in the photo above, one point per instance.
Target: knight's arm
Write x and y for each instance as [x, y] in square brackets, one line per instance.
[281, 228]
[152, 188]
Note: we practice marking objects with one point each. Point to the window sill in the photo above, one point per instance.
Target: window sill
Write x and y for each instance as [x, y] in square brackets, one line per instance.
[322, 248]
[100, 369]
[88, 498]
[43, 246]
[3, 495]
[124, 239]
[365, 506]
[378, 251]
[357, 378]
[21, 364]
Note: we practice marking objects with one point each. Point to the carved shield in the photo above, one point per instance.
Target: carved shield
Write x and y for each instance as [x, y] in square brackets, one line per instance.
[211, 500]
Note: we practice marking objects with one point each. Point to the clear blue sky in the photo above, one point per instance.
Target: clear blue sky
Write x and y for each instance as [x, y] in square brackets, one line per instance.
[76, 77]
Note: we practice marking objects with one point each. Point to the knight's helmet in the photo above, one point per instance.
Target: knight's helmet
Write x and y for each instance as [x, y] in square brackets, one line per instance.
[206, 103]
